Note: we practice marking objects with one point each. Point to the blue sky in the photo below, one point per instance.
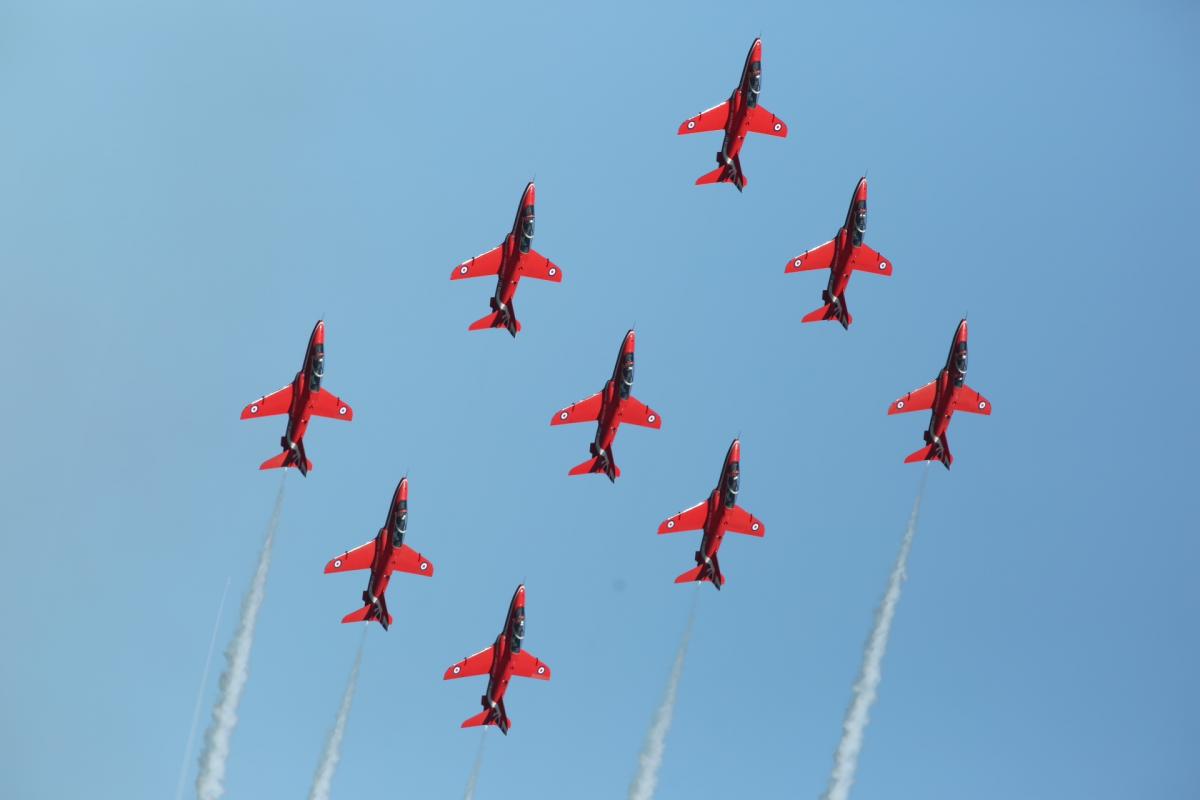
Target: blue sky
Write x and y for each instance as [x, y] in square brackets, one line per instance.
[188, 187]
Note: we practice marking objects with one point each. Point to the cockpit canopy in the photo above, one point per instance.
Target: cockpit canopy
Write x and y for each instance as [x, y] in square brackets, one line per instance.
[317, 368]
[518, 632]
[960, 365]
[527, 230]
[626, 376]
[860, 223]
[755, 83]
[400, 526]
[733, 482]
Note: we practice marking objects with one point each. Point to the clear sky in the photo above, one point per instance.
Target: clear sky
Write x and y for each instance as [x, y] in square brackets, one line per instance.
[186, 187]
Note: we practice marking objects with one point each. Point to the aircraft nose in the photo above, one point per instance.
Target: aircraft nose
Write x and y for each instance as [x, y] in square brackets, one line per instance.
[530, 194]
[962, 331]
[319, 332]
[630, 342]
[735, 450]
[861, 192]
[402, 489]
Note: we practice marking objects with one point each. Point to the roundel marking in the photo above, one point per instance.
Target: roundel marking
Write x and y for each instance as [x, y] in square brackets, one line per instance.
[671, 523]
[982, 404]
[457, 670]
[563, 415]
[899, 404]
[462, 270]
[552, 272]
[755, 526]
[254, 409]
[342, 411]
[691, 124]
[424, 566]
[883, 265]
[541, 670]
[796, 263]
[778, 126]
[337, 562]
[651, 418]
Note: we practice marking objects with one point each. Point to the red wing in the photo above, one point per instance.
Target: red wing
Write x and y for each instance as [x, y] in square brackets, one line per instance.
[763, 121]
[480, 266]
[535, 265]
[478, 664]
[817, 258]
[324, 404]
[691, 520]
[972, 402]
[405, 559]
[358, 558]
[713, 119]
[864, 259]
[584, 411]
[635, 412]
[524, 665]
[916, 400]
[739, 520]
[279, 402]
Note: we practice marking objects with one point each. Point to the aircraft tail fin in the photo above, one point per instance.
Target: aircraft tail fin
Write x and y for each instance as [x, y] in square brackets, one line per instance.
[935, 451]
[497, 319]
[835, 310]
[725, 173]
[600, 463]
[287, 459]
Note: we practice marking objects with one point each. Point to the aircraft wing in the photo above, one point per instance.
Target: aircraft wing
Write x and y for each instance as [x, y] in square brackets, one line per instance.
[916, 400]
[325, 404]
[763, 121]
[478, 664]
[278, 402]
[817, 258]
[405, 559]
[691, 520]
[714, 119]
[864, 259]
[584, 411]
[358, 558]
[480, 266]
[536, 265]
[524, 665]
[972, 402]
[635, 412]
[739, 520]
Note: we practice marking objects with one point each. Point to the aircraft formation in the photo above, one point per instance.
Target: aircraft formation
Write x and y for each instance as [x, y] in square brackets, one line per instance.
[614, 405]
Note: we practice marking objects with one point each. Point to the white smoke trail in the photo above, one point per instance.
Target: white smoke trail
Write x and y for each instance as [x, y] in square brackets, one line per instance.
[212, 645]
[210, 780]
[854, 726]
[651, 758]
[323, 780]
[474, 778]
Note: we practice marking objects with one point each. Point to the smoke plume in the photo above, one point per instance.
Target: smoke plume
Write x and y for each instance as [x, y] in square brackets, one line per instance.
[212, 645]
[210, 780]
[474, 778]
[854, 726]
[651, 758]
[323, 780]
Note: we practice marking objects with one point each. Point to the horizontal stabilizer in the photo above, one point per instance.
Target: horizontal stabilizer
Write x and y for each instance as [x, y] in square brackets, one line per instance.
[367, 614]
[594, 465]
[930, 453]
[285, 460]
[723, 174]
[829, 312]
[697, 574]
[494, 320]
[486, 717]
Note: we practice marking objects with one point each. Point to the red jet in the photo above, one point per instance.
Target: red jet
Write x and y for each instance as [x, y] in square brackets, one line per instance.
[944, 395]
[842, 255]
[739, 115]
[716, 516]
[611, 406]
[383, 555]
[300, 400]
[500, 662]
[512, 259]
